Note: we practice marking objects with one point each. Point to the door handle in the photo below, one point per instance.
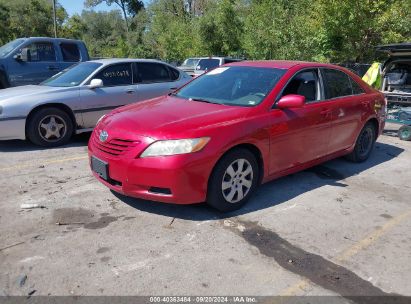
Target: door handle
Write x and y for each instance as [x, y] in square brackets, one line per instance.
[173, 89]
[130, 91]
[52, 67]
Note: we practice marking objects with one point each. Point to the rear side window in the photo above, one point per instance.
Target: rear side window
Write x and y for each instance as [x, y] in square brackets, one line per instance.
[41, 51]
[151, 72]
[116, 75]
[337, 84]
[174, 74]
[304, 83]
[356, 89]
[70, 52]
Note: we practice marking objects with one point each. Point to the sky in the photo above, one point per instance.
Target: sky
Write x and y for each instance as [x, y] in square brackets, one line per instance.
[76, 6]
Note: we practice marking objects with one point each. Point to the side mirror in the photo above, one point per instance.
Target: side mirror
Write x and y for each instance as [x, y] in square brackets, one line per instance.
[95, 83]
[24, 55]
[291, 101]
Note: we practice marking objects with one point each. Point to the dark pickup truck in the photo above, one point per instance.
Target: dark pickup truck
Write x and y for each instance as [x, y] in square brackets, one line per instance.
[32, 60]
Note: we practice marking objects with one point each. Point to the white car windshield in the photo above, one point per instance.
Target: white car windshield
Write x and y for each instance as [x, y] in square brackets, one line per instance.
[72, 76]
[237, 85]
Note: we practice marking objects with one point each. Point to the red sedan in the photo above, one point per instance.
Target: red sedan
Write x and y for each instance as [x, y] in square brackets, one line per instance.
[224, 133]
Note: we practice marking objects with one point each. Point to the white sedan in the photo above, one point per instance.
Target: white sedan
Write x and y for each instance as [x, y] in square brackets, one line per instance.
[73, 100]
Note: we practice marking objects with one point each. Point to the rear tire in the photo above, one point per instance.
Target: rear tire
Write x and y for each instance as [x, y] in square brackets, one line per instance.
[233, 181]
[364, 144]
[49, 127]
[404, 133]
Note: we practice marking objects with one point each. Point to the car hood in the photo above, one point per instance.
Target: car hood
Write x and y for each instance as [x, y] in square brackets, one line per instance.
[30, 90]
[171, 117]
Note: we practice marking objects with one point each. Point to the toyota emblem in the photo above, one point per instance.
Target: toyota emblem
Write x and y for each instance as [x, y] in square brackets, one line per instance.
[103, 136]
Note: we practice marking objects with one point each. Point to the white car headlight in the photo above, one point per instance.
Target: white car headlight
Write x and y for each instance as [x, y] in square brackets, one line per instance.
[174, 147]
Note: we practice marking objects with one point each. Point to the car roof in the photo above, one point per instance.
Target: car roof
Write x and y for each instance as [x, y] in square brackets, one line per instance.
[218, 57]
[279, 64]
[51, 38]
[125, 60]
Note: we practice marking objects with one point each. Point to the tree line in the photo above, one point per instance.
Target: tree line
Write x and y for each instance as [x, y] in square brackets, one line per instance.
[315, 30]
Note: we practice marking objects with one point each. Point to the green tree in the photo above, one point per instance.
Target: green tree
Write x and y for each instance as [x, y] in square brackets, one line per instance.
[280, 29]
[31, 17]
[351, 28]
[5, 24]
[127, 7]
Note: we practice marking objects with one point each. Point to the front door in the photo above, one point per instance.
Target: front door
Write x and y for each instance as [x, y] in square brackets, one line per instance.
[41, 65]
[300, 135]
[117, 91]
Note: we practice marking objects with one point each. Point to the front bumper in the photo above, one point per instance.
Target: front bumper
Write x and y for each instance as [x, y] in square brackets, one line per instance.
[185, 177]
[12, 129]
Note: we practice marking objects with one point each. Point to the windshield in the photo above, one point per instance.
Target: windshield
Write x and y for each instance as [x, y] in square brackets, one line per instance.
[9, 47]
[191, 62]
[207, 64]
[239, 85]
[72, 76]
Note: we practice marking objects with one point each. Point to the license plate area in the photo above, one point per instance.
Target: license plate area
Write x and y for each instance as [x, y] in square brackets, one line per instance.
[100, 167]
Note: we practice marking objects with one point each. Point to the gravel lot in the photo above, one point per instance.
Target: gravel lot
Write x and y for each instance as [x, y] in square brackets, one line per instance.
[336, 229]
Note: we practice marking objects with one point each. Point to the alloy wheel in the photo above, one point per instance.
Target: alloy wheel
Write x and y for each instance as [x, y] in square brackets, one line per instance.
[237, 180]
[52, 128]
[365, 141]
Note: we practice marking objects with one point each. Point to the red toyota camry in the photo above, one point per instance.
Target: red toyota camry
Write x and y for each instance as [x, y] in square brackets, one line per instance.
[224, 133]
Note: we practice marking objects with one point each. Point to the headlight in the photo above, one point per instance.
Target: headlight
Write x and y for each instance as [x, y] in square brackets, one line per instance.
[100, 119]
[174, 147]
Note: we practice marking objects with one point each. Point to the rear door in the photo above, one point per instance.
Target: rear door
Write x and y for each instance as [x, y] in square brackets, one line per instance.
[300, 135]
[117, 91]
[152, 79]
[348, 102]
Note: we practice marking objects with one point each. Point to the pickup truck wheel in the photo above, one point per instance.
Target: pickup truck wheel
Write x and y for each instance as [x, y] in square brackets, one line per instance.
[233, 181]
[50, 127]
[364, 144]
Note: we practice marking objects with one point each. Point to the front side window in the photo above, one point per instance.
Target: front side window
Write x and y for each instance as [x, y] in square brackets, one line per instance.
[174, 74]
[356, 89]
[116, 75]
[70, 52]
[41, 51]
[337, 84]
[151, 72]
[305, 83]
[72, 76]
[237, 85]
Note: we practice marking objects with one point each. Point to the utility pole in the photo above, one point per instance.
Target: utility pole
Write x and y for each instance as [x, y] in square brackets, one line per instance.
[54, 18]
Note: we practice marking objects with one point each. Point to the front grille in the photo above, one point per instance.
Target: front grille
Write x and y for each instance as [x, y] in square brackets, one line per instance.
[115, 146]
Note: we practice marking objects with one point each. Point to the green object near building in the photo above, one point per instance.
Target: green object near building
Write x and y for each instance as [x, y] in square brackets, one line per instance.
[373, 75]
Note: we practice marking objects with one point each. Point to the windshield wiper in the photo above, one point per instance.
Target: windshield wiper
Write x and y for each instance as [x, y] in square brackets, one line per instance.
[202, 100]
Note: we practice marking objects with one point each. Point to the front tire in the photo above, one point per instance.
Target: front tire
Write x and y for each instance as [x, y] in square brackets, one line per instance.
[404, 133]
[364, 144]
[233, 181]
[49, 127]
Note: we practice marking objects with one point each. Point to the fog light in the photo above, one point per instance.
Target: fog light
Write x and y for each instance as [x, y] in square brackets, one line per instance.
[158, 190]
